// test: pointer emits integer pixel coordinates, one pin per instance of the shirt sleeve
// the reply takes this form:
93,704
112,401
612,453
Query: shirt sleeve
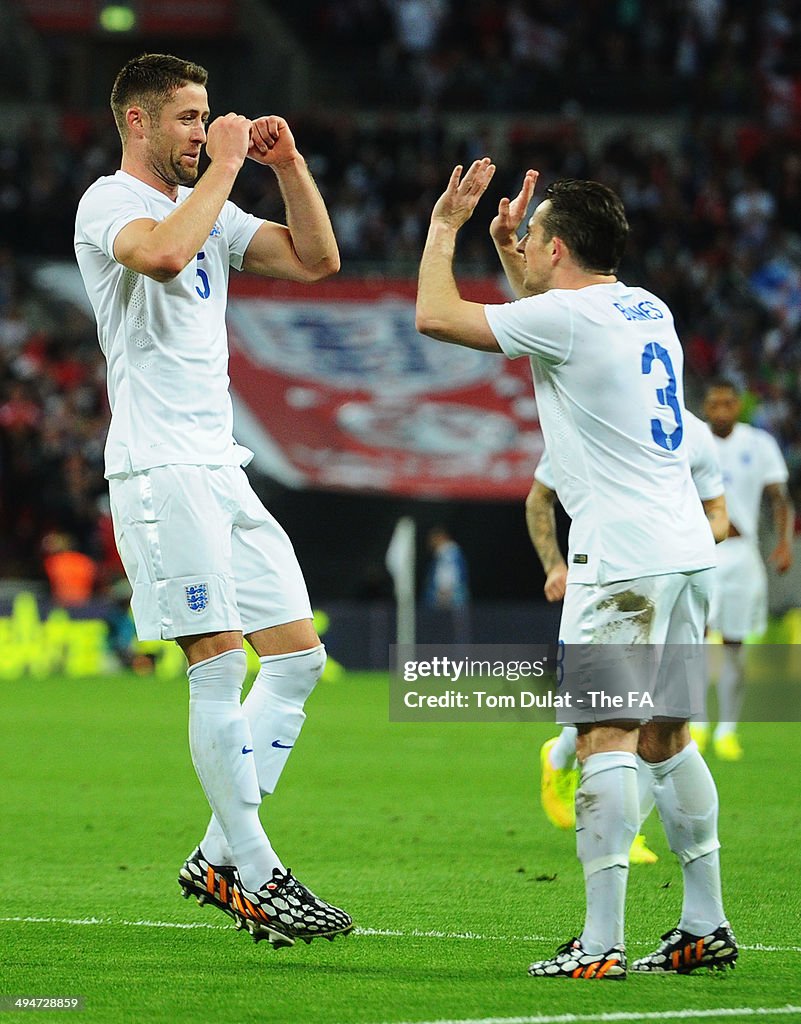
543,474
240,227
774,468
105,211
704,461
538,325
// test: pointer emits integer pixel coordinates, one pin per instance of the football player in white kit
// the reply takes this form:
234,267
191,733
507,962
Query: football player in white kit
207,562
607,368
558,774
752,465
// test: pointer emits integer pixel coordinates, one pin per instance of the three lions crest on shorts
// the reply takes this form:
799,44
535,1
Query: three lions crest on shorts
197,596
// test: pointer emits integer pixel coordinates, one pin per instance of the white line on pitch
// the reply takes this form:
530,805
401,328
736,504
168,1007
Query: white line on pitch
391,933
411,933
416,933
111,921
663,1015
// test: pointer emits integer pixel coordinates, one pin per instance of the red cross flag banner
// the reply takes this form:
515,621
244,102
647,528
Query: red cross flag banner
334,388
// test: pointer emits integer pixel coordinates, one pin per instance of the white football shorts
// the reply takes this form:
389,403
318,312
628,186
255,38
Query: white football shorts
739,591
202,554
625,640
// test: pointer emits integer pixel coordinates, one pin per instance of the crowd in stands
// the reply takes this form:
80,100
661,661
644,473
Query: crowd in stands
729,56
715,214
53,419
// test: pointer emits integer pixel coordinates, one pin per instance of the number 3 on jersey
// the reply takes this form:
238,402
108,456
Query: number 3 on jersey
203,288
666,396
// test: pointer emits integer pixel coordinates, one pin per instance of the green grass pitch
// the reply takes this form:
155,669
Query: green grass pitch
431,835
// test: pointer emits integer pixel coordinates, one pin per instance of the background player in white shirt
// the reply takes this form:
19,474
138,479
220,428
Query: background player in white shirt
206,560
752,466
558,774
607,369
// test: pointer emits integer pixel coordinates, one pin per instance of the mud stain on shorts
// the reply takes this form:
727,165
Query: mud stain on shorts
629,607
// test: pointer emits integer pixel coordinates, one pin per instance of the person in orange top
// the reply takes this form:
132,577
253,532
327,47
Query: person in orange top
70,573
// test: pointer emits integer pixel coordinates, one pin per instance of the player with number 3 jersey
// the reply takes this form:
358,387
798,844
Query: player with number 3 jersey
607,368
610,459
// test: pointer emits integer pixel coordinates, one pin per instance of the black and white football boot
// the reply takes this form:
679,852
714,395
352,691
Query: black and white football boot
284,910
208,883
571,960
681,952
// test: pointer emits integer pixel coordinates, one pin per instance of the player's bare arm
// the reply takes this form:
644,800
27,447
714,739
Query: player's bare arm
161,249
541,523
304,249
718,516
784,522
441,311
504,230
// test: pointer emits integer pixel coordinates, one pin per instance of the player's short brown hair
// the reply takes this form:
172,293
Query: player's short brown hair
149,81
590,219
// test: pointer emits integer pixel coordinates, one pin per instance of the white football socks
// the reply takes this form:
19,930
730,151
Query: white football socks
731,689
222,752
563,752
274,711
687,800
645,788
274,708
714,660
607,820
214,846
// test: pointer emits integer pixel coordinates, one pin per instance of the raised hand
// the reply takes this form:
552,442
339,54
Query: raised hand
228,138
456,204
506,224
271,141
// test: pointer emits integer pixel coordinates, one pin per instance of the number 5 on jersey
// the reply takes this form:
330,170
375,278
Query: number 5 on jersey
203,288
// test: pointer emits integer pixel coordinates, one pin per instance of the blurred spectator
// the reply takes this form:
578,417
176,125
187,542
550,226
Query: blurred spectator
752,210
446,584
14,329
417,24
70,573
121,636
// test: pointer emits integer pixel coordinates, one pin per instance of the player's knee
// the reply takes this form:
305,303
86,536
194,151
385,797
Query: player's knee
292,677
285,639
600,738
315,665
659,741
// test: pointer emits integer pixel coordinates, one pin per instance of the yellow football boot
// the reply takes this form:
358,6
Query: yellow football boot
700,733
640,853
558,790
727,747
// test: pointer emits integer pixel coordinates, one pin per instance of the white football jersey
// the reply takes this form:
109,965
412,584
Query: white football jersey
607,368
750,460
701,451
166,344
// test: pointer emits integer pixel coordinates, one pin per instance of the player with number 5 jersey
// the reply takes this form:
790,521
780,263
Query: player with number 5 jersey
165,341
207,563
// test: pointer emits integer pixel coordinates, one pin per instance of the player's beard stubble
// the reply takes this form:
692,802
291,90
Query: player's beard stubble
166,163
